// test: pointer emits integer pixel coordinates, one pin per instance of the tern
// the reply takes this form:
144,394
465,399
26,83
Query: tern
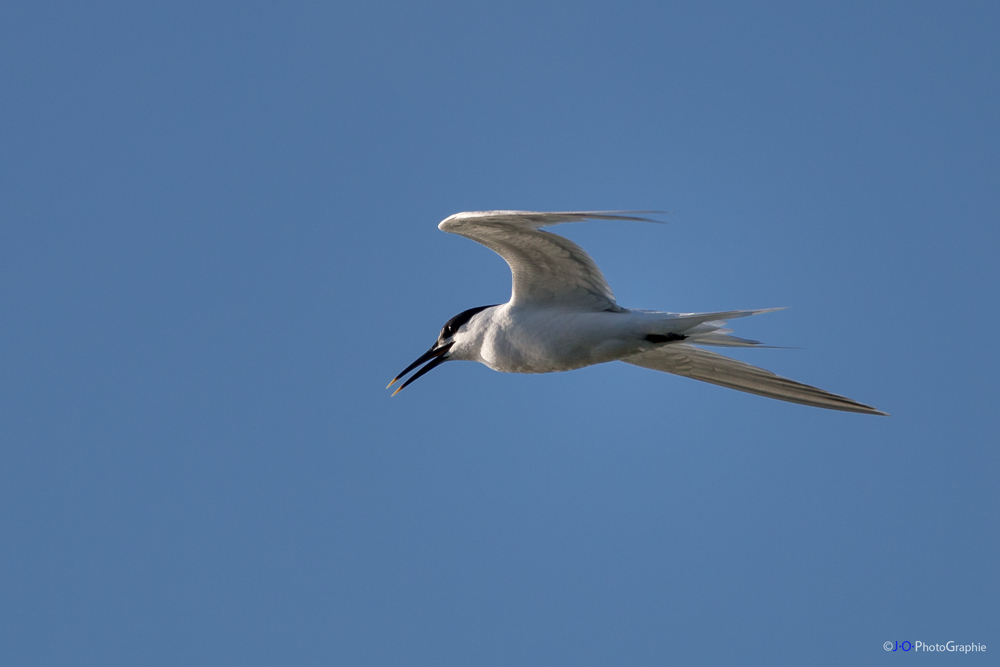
562,316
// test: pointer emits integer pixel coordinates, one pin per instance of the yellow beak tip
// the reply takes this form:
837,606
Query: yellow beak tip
396,392
392,383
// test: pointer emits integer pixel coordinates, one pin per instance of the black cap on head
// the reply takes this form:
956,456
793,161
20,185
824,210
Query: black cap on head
455,323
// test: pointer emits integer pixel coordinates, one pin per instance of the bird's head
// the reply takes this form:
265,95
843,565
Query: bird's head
454,340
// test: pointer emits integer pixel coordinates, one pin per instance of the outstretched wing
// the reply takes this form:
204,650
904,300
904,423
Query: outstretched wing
548,270
692,362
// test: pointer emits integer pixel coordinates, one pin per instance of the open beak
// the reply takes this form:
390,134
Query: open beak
437,355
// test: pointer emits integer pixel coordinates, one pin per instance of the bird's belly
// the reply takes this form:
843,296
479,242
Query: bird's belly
519,360
550,347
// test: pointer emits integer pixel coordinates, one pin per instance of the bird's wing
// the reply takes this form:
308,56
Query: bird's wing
548,270
692,362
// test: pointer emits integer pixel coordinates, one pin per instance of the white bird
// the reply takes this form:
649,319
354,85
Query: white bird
562,315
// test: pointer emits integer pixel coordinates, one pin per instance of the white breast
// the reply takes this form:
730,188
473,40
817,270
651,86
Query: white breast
546,340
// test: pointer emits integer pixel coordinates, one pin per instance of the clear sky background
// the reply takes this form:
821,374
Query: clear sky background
218,243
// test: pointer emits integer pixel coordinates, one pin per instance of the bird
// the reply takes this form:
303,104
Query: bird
562,315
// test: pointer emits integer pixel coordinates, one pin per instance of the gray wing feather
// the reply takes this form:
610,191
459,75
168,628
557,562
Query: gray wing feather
688,361
547,269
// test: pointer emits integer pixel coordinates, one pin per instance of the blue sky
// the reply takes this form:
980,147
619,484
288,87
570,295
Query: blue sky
218,244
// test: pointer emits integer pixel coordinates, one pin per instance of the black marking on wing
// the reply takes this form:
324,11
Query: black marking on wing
668,338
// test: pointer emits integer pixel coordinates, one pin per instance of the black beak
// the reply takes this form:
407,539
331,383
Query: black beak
437,355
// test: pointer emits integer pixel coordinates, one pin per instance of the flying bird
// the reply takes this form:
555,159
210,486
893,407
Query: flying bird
562,316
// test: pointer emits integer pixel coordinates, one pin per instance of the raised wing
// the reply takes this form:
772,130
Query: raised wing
548,270
692,362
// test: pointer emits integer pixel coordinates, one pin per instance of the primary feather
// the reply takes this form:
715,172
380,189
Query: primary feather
689,361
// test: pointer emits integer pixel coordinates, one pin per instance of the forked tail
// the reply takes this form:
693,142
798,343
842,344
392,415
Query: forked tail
707,328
